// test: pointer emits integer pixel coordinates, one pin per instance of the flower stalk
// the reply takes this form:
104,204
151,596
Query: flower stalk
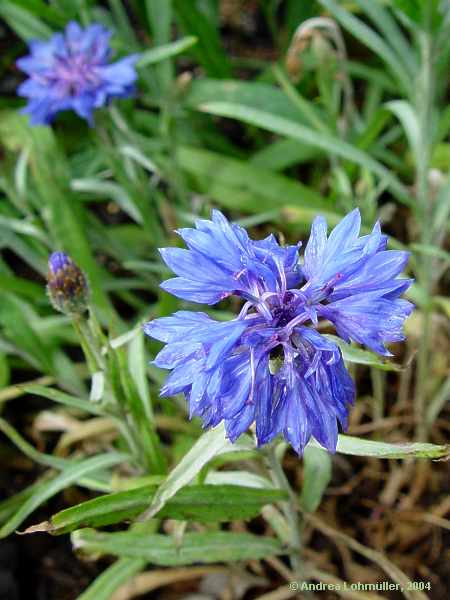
274,454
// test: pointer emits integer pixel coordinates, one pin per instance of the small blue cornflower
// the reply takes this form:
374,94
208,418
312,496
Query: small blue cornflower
72,71
269,365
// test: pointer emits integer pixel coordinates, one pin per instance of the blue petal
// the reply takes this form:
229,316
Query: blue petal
194,291
177,327
368,319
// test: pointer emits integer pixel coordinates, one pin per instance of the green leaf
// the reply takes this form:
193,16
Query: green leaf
359,447
284,153
24,23
163,550
209,51
405,113
317,139
69,476
23,287
61,398
209,445
12,504
160,53
316,477
391,31
204,503
356,355
430,250
104,586
371,39
254,94
411,8
17,319
246,187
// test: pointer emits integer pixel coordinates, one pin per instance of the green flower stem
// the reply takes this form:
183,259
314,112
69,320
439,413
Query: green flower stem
89,344
378,387
92,339
290,508
424,107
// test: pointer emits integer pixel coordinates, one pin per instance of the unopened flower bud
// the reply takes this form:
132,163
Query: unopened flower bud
66,285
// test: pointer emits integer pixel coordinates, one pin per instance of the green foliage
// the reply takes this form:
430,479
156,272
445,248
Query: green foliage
203,503
163,550
327,125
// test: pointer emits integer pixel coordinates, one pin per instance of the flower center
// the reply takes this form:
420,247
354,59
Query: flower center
77,72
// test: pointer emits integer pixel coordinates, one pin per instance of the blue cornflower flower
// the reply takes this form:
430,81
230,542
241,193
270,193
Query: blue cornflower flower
72,71
269,365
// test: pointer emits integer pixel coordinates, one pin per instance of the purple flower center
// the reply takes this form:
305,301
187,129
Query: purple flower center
77,72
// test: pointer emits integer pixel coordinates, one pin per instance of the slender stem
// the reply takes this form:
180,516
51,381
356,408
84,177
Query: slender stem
290,508
378,387
424,107
88,343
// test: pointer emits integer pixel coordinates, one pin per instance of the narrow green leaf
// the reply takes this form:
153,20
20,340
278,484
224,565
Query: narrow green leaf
24,23
163,550
393,35
359,447
61,398
209,51
209,445
17,318
104,586
205,503
284,153
69,476
359,356
405,113
253,94
12,504
430,250
160,53
371,39
239,184
411,8
23,287
316,477
317,139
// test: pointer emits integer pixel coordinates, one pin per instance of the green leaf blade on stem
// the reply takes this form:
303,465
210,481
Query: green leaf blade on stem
157,549
203,503
353,354
359,447
209,445
165,51
61,398
316,477
104,586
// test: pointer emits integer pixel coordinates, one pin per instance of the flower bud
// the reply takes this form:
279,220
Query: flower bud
66,285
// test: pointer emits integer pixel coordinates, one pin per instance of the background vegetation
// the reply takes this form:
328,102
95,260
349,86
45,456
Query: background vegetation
273,111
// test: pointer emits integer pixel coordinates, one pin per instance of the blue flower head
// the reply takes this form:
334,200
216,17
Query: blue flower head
269,365
72,71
